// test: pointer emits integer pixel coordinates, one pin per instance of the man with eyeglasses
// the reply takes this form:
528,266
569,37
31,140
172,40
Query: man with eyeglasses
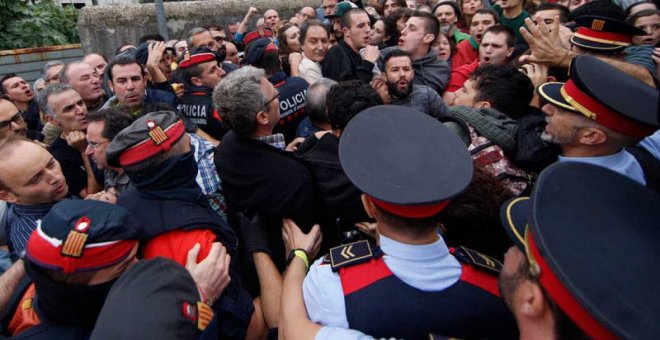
259,176
11,120
262,53
102,127
67,110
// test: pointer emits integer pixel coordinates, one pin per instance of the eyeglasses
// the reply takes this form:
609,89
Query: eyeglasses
277,95
17,118
95,146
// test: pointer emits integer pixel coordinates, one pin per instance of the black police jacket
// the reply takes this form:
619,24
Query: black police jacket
197,105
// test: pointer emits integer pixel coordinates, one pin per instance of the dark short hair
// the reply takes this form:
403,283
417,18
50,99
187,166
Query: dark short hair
414,226
452,4
115,120
147,37
3,79
391,30
346,18
497,29
270,62
348,99
403,12
504,87
496,17
563,10
307,25
431,23
401,3
124,59
394,54
118,50
472,219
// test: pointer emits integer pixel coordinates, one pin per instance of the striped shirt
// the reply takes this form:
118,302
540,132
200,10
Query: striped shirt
21,221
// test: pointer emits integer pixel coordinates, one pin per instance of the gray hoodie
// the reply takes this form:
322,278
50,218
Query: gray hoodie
429,70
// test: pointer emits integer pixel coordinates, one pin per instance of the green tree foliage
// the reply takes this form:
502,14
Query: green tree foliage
33,25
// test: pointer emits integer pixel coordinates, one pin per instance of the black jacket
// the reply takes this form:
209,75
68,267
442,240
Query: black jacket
338,193
260,179
342,63
197,106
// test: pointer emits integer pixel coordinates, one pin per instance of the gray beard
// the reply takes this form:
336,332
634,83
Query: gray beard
445,29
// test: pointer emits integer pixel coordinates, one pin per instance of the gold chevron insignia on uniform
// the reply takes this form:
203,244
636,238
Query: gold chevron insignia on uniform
75,241
205,315
349,254
156,133
477,259
26,304
597,25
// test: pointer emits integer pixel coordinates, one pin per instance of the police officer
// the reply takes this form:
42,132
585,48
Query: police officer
161,295
156,154
72,259
201,72
411,285
599,116
602,35
585,260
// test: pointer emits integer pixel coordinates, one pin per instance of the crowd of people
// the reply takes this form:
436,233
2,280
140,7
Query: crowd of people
363,169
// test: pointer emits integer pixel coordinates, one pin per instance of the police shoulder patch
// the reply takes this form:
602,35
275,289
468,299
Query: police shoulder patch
477,259
352,253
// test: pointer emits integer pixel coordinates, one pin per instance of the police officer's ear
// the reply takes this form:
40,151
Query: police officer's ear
196,81
530,305
368,204
592,136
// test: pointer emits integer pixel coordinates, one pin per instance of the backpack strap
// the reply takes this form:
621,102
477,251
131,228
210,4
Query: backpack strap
650,166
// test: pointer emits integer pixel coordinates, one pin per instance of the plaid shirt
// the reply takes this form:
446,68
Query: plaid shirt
276,140
207,177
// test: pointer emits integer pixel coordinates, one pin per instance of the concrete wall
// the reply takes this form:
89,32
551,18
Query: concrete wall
104,28
28,62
